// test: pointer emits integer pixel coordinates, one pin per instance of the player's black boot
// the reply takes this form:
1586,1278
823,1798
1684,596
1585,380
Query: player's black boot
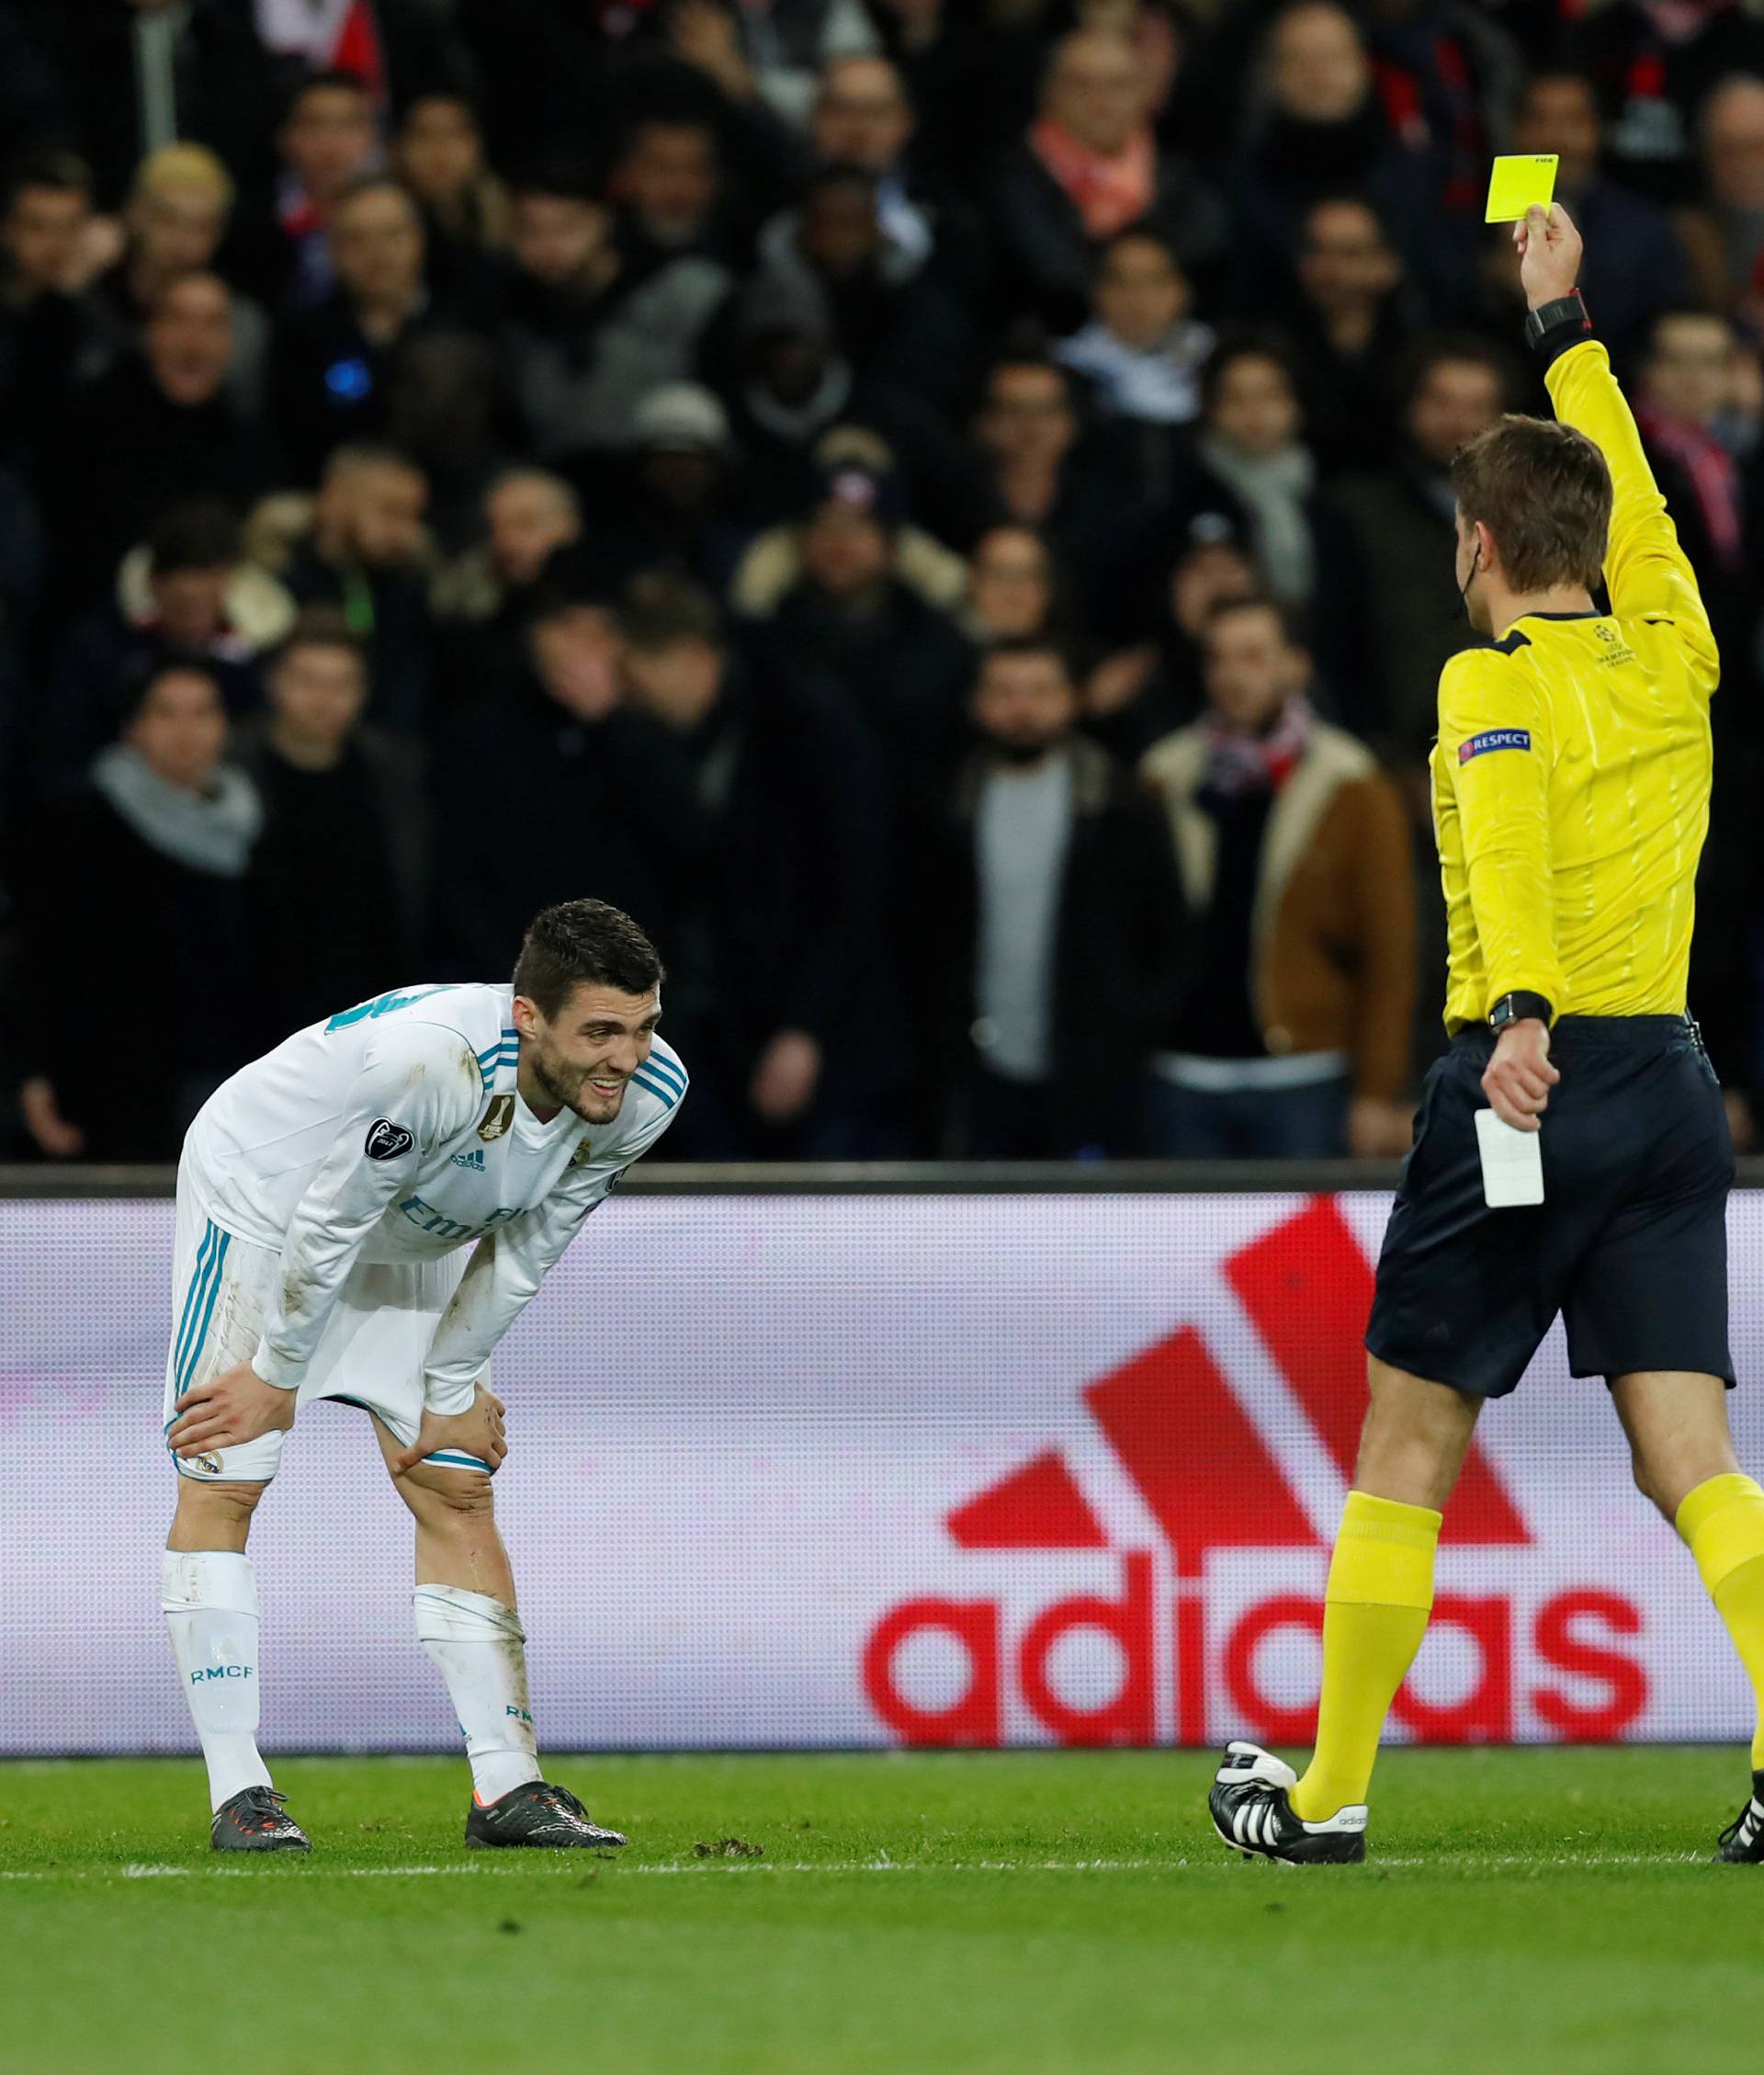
537,1813
1742,1842
254,1821
1251,1812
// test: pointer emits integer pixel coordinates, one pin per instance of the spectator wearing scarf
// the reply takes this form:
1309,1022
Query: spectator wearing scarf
1291,1036
1254,460
153,856
1088,167
1704,448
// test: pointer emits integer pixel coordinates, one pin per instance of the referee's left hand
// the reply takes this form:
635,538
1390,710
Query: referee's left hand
1520,1076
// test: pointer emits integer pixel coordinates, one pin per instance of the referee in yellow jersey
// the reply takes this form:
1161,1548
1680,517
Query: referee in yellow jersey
1571,797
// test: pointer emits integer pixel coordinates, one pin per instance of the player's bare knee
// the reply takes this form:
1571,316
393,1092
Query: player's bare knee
439,1497
213,1516
466,1492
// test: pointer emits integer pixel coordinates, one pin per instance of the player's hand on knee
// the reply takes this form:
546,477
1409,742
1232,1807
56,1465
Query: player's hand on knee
1520,1076
481,1430
236,1407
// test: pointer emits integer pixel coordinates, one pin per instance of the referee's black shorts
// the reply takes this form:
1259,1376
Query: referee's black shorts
1630,1243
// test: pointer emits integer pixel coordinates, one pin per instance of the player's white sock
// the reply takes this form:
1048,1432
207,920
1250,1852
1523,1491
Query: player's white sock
477,1646
210,1602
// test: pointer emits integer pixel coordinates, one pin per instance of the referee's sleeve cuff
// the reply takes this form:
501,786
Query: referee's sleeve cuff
1557,328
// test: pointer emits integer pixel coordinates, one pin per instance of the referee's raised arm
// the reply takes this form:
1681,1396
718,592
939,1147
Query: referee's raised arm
1647,572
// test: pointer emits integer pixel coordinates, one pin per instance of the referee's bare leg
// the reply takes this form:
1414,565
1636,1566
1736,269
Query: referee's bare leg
1381,1577
1685,1463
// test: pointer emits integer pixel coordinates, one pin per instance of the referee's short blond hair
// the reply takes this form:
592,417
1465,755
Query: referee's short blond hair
1544,491
184,166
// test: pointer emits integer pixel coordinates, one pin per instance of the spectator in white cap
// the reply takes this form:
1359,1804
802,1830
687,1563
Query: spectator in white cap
680,418
902,665
663,503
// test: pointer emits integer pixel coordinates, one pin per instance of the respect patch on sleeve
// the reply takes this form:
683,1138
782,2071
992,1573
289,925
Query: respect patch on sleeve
1492,739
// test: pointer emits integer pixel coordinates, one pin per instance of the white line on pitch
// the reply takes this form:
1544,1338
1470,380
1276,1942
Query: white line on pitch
1442,1862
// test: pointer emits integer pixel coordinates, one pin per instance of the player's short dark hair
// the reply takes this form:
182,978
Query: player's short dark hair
584,944
1544,491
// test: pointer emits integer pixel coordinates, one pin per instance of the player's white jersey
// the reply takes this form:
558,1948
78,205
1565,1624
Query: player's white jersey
394,1132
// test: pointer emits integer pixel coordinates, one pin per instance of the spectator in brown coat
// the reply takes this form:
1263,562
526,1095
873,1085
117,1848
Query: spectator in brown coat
1290,1040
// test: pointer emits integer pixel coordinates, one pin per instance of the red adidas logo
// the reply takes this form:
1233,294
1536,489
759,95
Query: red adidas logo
1205,1477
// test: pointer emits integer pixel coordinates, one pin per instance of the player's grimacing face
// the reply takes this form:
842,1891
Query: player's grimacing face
583,1057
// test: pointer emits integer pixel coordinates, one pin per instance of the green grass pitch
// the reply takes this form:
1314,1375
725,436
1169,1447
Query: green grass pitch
914,1915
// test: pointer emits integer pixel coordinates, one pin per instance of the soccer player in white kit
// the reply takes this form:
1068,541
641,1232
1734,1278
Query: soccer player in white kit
325,1200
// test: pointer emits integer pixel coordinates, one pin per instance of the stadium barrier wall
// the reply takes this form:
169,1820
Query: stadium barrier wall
865,1456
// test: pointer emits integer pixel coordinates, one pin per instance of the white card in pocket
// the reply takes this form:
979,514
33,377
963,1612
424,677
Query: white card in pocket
1513,1163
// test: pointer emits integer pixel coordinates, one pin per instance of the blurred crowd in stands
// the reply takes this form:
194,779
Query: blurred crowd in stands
938,507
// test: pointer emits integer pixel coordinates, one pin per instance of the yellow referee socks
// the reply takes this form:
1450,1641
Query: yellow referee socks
1722,1522
1380,1594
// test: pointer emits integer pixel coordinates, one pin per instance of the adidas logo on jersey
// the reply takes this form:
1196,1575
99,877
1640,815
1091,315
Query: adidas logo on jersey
473,1161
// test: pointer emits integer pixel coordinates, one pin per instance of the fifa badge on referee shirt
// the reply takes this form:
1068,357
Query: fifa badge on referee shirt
497,1118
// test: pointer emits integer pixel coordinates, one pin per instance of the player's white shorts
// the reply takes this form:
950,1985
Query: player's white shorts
372,1351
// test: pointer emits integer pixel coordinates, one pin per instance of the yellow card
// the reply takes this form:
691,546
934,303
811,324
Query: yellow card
1525,181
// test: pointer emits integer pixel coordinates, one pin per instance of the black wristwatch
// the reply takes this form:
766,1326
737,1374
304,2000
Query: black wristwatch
1557,325
1521,1008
